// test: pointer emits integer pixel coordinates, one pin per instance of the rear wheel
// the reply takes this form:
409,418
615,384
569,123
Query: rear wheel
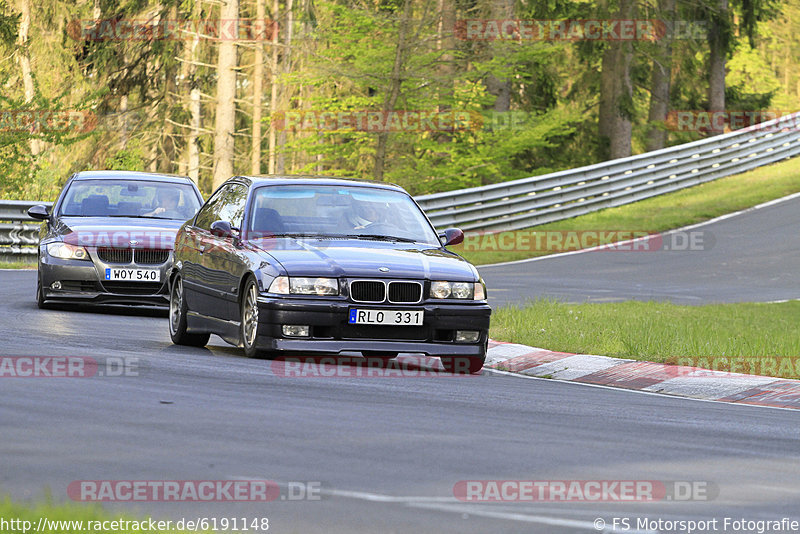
177,318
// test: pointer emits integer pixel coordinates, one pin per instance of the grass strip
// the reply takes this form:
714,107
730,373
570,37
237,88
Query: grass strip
749,338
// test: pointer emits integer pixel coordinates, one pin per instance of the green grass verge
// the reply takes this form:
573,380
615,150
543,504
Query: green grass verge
750,338
63,518
18,264
665,212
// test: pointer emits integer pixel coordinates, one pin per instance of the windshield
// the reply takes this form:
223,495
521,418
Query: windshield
338,211
130,198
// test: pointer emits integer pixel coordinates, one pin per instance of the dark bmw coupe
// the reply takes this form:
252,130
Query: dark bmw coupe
110,236
314,265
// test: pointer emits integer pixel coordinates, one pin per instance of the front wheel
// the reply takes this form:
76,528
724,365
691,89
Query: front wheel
177,318
248,326
462,365
40,302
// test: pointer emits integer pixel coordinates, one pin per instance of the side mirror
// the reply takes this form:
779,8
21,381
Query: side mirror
452,236
38,212
222,229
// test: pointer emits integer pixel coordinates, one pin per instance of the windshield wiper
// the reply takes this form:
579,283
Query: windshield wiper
299,234
381,237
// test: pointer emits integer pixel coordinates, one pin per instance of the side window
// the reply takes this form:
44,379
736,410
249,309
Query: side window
233,204
210,211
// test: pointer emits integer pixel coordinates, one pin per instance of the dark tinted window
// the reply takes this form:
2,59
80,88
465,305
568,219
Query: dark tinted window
130,198
227,204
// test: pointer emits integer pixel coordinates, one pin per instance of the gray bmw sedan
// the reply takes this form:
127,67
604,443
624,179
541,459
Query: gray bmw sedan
110,237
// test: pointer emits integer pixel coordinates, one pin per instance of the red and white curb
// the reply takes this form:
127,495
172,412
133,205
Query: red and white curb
680,380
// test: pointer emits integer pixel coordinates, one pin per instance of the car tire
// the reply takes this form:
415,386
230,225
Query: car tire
465,364
462,365
248,324
177,318
40,302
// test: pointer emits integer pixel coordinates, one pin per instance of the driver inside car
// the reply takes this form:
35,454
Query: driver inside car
365,214
168,200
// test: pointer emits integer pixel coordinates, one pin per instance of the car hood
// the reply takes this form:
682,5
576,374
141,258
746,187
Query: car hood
361,258
121,232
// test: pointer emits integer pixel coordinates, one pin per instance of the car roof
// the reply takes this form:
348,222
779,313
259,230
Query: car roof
302,179
131,175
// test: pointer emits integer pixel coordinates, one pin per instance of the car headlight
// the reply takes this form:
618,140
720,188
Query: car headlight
285,285
65,251
457,290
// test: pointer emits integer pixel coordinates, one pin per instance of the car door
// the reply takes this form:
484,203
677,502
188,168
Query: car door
196,238
222,260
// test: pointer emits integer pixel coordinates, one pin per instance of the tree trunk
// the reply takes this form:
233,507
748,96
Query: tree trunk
616,93
396,81
170,94
660,82
717,43
446,45
273,99
500,87
24,60
258,77
280,162
189,71
225,119
193,158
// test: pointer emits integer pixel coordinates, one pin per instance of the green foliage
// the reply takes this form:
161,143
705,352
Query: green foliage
8,24
127,159
342,60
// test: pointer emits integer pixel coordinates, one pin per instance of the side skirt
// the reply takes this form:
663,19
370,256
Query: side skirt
197,323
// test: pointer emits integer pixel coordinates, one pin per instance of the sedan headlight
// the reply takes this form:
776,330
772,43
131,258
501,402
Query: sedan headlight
458,290
285,285
65,251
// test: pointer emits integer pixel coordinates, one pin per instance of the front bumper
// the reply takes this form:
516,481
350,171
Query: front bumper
81,282
331,332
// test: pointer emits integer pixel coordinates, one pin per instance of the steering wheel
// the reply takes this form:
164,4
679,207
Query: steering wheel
379,228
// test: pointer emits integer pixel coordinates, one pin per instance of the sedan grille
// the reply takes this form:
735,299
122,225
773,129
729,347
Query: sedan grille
134,288
368,291
115,255
405,291
375,291
148,256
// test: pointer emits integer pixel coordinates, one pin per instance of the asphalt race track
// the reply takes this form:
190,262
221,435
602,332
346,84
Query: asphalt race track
753,256
386,453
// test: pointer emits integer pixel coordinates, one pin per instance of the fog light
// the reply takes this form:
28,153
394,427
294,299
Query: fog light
295,330
467,336
55,285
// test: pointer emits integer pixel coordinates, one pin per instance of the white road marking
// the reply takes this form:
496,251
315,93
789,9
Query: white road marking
453,505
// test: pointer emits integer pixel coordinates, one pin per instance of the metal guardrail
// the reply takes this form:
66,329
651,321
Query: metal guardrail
550,197
19,234
561,195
